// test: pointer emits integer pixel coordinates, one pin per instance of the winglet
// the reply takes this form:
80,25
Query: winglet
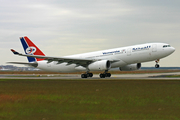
14,52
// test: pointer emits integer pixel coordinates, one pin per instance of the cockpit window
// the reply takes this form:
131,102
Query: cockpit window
164,46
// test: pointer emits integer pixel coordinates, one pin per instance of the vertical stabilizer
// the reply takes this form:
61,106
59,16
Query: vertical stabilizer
31,49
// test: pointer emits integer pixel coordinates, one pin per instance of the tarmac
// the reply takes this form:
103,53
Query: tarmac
151,76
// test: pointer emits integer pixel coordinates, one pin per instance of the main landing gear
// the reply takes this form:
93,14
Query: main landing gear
157,65
86,75
102,75
105,74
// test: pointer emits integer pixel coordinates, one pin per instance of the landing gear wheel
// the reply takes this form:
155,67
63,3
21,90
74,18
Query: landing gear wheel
108,74
83,75
86,75
157,66
102,75
89,75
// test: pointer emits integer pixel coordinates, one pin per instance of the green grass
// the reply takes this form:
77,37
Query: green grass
173,76
89,100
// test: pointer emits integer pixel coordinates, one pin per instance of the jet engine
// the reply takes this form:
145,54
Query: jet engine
100,65
130,67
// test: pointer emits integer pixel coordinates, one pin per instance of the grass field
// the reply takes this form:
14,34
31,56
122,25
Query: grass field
89,100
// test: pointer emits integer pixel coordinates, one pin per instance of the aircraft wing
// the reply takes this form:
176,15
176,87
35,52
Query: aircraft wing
78,61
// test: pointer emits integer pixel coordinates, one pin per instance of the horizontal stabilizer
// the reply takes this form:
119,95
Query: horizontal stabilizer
22,63
14,51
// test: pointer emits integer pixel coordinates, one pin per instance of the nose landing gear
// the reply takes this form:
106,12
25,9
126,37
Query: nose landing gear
157,65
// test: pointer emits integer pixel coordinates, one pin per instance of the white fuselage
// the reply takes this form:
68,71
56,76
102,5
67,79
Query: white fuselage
123,56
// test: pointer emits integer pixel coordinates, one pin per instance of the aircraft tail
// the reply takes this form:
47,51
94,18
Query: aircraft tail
31,49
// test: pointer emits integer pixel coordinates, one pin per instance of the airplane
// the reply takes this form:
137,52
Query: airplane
125,58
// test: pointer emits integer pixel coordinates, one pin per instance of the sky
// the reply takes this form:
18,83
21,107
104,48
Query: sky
67,27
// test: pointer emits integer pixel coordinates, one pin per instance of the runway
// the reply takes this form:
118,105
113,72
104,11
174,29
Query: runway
151,76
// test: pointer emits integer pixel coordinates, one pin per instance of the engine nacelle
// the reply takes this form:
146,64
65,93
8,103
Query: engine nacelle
130,67
100,65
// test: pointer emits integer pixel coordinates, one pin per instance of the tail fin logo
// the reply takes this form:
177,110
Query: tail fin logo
30,50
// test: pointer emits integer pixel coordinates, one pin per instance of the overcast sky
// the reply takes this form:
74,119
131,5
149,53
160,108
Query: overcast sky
66,27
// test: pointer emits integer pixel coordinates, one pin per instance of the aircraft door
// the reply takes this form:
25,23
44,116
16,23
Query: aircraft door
154,48
128,51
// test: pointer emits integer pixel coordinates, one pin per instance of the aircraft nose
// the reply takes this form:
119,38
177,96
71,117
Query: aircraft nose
172,49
